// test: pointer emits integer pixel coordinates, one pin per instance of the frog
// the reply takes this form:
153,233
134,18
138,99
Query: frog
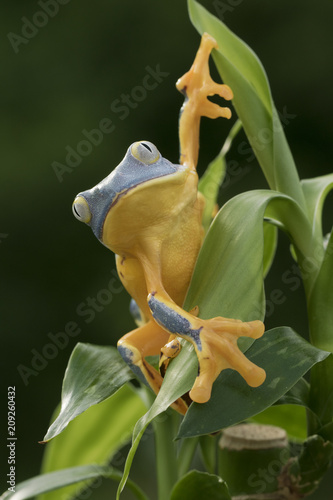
148,212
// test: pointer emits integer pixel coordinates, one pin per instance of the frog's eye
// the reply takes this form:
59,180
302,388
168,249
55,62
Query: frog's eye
145,152
81,209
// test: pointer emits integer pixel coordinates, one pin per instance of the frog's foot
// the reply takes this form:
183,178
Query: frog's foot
215,342
197,85
217,349
168,352
135,346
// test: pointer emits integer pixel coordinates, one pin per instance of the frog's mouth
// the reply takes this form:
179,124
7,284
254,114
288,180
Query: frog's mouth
129,175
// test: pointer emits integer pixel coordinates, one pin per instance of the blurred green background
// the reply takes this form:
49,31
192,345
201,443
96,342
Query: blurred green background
65,78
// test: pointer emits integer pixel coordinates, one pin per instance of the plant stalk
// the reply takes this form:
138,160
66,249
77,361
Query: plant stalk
320,312
260,450
166,453
186,453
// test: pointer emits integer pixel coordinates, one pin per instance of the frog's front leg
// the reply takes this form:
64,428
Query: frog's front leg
146,340
197,85
215,342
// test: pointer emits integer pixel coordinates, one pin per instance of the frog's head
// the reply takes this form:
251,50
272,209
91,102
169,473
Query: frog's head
139,191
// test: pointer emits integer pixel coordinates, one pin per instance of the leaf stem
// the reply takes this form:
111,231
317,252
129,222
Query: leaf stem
321,328
237,126
131,485
166,459
185,455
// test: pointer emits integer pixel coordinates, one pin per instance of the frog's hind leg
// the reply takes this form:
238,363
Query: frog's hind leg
146,340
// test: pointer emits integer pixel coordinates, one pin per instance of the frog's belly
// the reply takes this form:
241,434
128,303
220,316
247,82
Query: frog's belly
131,275
177,262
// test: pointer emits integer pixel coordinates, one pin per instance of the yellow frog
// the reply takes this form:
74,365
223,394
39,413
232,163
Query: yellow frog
148,212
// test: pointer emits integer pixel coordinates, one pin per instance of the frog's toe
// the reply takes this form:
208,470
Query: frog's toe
255,329
208,372
255,376
168,352
200,394
237,328
219,351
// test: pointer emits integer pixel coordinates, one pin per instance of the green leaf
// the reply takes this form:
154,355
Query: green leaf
198,485
56,480
326,432
321,302
210,182
94,436
307,470
93,374
228,277
289,412
291,418
320,309
270,244
284,355
241,55
241,69
297,395
209,185
315,192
